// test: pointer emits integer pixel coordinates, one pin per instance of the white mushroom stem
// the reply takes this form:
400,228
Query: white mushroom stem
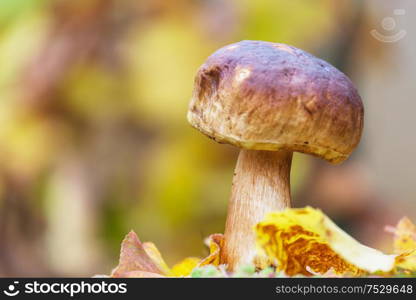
261,184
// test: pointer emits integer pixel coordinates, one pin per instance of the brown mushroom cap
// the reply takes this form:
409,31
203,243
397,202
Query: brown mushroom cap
269,96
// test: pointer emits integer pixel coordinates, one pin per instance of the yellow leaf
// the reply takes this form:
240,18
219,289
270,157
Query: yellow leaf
407,261
405,236
305,241
185,267
215,242
405,244
156,257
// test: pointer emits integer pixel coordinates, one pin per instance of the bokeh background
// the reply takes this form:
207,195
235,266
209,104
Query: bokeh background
94,140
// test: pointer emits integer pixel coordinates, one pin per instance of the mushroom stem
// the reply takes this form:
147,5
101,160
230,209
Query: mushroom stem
261,184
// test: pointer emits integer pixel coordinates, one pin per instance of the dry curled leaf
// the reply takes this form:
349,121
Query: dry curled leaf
215,243
305,241
404,236
139,259
156,257
405,244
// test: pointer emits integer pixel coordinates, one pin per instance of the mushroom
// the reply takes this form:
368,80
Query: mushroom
271,99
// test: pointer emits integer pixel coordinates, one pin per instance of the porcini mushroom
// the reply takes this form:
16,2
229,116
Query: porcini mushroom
271,99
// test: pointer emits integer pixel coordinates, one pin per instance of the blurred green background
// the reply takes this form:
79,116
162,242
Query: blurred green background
94,140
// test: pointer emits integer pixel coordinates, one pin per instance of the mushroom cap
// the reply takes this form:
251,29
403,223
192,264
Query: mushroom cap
269,96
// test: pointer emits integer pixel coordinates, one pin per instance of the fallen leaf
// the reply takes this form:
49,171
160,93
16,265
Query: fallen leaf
405,244
305,241
184,268
138,259
406,263
156,257
404,236
215,243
